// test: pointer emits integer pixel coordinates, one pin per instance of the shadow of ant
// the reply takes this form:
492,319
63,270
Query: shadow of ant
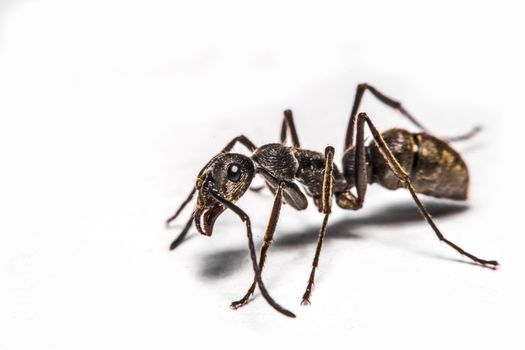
225,263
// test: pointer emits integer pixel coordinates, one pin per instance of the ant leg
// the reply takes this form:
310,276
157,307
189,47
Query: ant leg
442,238
326,203
465,136
403,176
186,201
241,139
181,236
184,232
347,200
268,237
246,219
361,88
288,124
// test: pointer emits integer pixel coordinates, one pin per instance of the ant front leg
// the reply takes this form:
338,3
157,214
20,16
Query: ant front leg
242,140
180,238
246,219
268,239
403,176
326,208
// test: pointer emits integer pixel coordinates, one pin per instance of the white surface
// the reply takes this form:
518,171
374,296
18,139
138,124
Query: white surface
108,109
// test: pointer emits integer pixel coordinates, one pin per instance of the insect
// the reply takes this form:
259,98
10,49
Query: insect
395,159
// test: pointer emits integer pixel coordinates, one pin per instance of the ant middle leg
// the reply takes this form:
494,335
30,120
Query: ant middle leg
347,200
326,208
403,176
268,239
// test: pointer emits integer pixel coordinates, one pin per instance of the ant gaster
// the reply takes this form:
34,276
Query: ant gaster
397,158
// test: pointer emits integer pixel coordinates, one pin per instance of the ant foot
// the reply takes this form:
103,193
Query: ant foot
239,303
490,262
306,299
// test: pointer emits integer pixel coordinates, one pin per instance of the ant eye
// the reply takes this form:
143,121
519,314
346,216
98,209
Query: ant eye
234,172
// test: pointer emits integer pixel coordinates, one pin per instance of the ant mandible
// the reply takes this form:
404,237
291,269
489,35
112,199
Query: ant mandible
396,158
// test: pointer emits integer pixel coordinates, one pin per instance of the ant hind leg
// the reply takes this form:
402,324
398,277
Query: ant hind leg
403,176
361,88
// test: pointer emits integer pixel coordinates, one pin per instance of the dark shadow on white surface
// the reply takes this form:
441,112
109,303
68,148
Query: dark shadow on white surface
226,262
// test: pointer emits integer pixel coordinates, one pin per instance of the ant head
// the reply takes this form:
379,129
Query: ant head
230,175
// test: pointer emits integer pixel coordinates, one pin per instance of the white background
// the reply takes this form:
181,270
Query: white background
108,109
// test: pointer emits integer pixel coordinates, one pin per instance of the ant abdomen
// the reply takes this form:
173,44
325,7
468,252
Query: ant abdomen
435,168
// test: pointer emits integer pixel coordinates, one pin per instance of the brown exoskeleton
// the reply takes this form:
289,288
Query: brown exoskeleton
397,158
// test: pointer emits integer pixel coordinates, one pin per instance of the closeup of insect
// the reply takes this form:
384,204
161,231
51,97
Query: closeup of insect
395,159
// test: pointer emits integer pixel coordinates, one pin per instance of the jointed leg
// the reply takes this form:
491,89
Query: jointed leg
288,124
442,238
241,139
328,187
182,235
465,136
186,201
246,219
403,176
361,88
268,237
348,200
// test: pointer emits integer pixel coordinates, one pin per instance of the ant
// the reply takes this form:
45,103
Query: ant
396,158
